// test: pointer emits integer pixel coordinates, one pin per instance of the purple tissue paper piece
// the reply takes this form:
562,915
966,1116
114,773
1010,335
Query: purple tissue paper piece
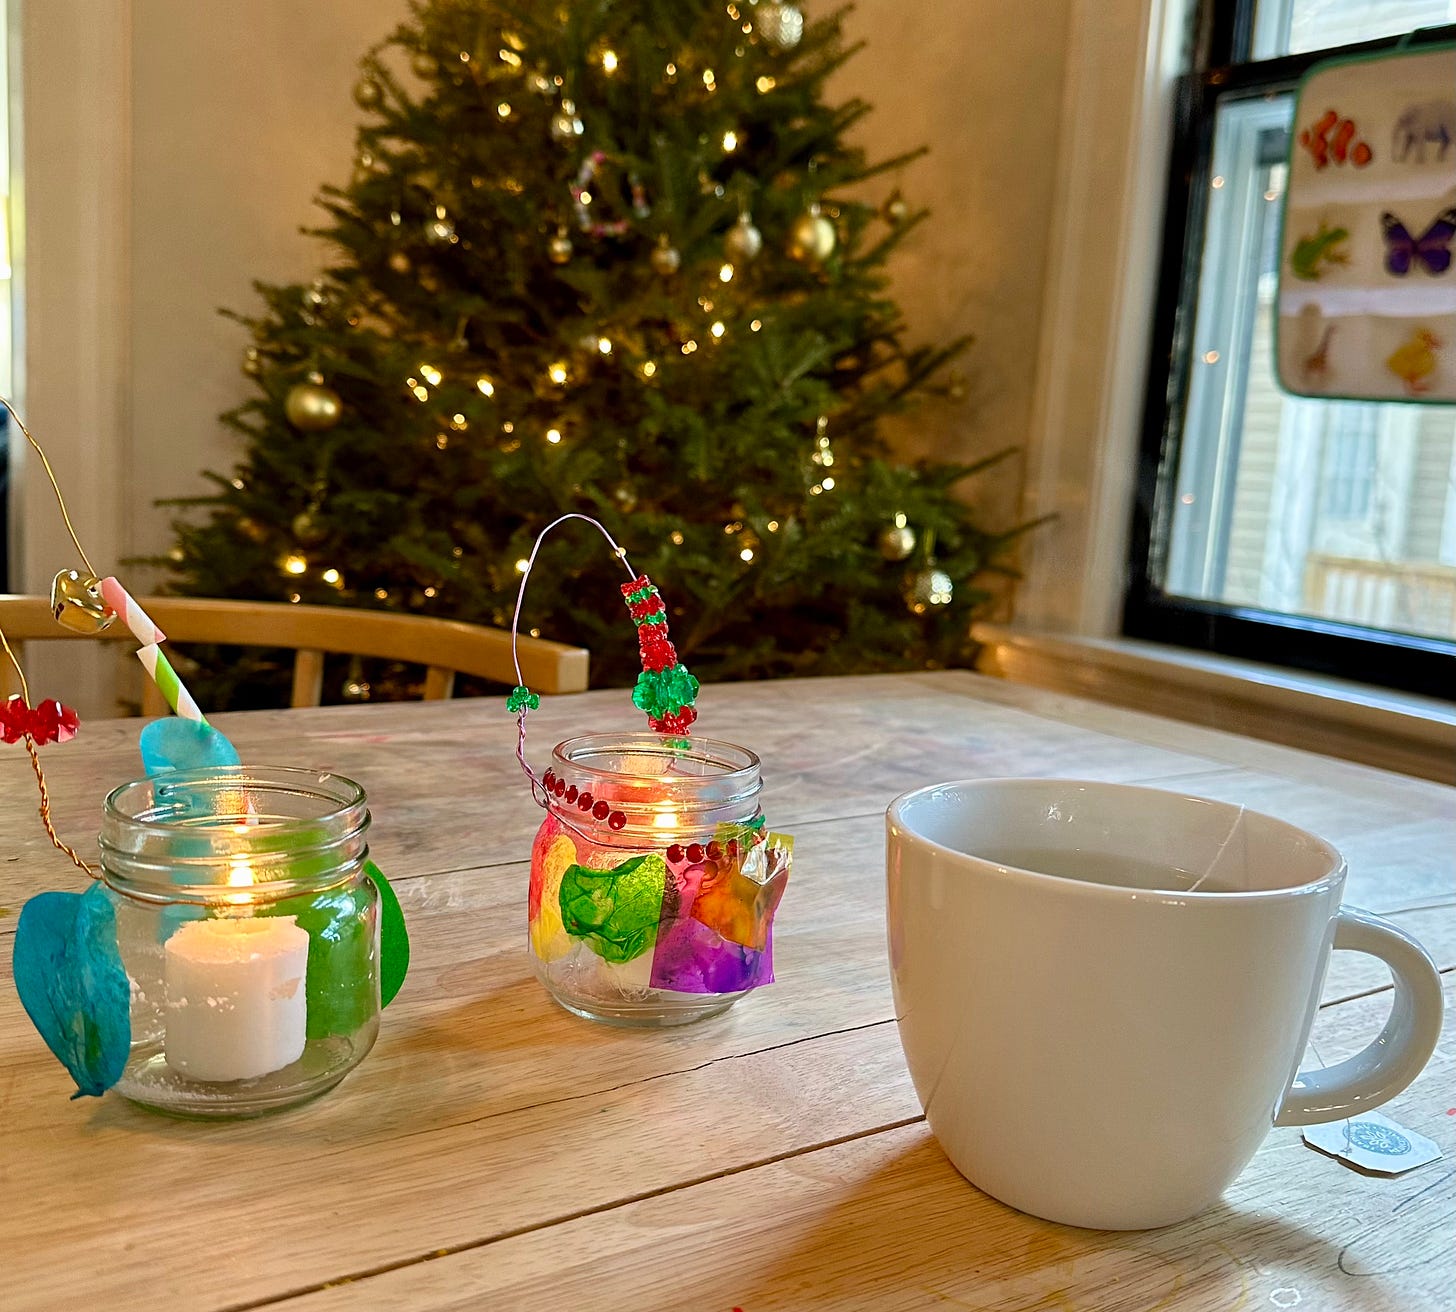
691,957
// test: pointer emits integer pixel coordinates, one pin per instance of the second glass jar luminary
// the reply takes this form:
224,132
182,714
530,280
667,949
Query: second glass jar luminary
653,883
249,933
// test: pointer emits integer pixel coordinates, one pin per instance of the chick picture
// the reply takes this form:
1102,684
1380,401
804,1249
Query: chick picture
1415,360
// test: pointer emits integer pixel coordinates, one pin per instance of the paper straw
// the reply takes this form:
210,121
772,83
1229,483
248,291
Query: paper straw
168,684
132,615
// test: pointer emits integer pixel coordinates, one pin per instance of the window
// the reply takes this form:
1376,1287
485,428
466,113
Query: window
1319,534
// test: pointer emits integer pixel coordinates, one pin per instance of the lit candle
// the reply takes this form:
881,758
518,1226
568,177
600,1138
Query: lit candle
236,1001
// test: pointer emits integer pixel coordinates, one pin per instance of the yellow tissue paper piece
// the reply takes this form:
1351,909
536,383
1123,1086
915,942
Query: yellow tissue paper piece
549,939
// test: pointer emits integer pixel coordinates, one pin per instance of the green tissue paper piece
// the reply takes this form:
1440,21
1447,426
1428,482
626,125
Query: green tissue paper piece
616,911
394,944
664,692
72,984
340,980
339,983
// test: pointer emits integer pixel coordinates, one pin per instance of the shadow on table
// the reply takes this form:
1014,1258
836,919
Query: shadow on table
911,1232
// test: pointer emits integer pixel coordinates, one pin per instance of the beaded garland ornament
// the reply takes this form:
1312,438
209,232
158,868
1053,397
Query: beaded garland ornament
683,917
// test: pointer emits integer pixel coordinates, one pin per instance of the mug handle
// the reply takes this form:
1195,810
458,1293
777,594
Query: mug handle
1378,1072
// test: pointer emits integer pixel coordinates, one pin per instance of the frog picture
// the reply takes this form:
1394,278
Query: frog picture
1312,254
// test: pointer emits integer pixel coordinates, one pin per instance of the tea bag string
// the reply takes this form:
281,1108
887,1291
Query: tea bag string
538,789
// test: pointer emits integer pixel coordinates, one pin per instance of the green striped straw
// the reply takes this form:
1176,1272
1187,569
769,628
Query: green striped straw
168,684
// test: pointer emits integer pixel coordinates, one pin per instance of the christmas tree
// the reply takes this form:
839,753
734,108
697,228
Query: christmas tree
609,257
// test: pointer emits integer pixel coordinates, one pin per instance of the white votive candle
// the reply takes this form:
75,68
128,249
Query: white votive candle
236,1002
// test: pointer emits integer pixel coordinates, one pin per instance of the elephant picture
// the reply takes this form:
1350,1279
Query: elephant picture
1422,123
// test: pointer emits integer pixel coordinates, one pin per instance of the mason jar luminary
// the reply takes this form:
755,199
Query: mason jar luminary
653,880
249,932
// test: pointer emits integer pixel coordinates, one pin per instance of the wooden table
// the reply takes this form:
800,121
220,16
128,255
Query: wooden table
496,1153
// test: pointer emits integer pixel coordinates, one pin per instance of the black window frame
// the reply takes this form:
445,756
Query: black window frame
1222,66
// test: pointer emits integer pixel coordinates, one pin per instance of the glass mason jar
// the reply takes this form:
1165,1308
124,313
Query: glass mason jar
652,890
249,933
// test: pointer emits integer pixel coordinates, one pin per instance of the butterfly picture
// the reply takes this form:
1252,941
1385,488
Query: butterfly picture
1432,248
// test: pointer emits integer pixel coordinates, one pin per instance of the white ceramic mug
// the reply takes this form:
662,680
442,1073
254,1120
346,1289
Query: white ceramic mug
1111,1054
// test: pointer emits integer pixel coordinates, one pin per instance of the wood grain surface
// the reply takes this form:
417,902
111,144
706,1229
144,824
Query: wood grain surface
495,1152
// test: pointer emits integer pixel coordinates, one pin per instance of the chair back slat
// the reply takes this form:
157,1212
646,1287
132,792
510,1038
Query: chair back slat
308,677
444,647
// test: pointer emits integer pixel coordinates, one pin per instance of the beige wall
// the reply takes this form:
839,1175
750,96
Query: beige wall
239,113
980,83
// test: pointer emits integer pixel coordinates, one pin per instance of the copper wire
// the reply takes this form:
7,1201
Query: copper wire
45,811
40,779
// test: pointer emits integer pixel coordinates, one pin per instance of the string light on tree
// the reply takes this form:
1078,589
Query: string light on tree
439,230
565,125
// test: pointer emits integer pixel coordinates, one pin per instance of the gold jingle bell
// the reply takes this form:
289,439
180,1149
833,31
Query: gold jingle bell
77,605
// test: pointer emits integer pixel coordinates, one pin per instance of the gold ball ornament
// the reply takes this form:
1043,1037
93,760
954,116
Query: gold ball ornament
312,407
399,262
76,603
897,542
929,589
781,24
425,65
251,529
743,241
252,362
896,209
812,238
559,248
368,94
665,258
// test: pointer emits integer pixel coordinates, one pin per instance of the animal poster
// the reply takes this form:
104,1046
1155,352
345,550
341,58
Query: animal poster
1367,288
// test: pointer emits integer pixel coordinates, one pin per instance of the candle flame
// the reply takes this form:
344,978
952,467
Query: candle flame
240,876
665,820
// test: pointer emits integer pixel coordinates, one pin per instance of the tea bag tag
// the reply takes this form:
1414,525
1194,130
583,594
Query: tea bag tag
1373,1142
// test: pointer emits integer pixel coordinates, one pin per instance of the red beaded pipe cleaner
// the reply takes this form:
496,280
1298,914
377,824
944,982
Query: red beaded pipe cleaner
665,689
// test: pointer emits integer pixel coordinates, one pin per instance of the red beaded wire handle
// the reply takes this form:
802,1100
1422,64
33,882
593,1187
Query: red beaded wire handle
665,689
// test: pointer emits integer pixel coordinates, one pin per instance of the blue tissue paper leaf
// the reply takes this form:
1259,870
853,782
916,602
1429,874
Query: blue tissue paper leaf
178,744
394,944
72,985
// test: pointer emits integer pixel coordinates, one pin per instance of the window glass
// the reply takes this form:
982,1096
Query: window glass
1334,509
1284,27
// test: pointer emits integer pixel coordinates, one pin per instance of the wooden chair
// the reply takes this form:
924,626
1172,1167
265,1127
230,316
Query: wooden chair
444,647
